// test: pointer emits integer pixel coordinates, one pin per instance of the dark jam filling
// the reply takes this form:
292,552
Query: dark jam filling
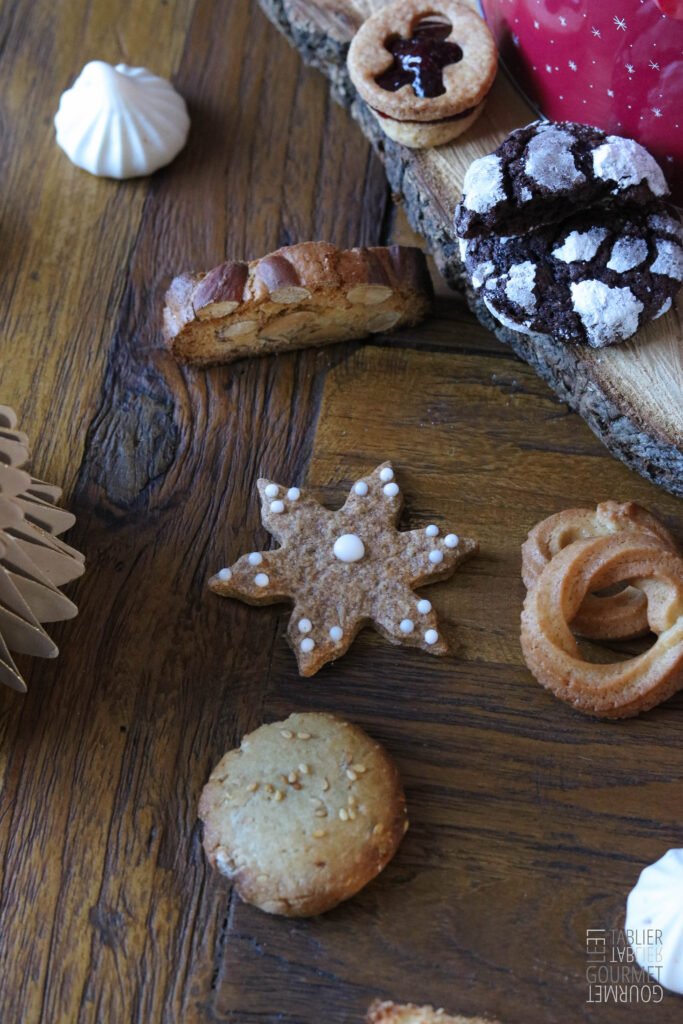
420,60
439,120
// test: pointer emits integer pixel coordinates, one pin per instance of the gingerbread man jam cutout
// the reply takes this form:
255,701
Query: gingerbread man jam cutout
424,70
346,569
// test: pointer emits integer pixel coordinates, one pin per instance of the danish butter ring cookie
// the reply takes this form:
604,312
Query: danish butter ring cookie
424,70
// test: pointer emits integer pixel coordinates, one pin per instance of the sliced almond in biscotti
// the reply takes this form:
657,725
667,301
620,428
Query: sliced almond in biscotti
302,295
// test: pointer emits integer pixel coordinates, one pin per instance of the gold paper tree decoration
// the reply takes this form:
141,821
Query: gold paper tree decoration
34,563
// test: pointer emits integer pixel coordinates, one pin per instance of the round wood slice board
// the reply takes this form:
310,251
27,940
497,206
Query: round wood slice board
631,395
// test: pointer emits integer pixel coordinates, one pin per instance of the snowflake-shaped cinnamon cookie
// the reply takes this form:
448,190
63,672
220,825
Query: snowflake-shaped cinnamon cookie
347,569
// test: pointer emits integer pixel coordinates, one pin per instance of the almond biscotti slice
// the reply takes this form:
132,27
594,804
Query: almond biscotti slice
299,296
392,1013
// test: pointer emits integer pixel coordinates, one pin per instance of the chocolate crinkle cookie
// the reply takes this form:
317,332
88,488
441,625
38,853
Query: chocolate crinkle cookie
596,277
563,231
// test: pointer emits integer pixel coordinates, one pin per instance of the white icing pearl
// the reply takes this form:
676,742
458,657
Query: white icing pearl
431,636
424,606
277,506
307,645
361,488
261,579
391,490
451,540
336,633
386,474
272,491
255,558
436,557
225,574
293,493
432,531
407,626
349,548
305,625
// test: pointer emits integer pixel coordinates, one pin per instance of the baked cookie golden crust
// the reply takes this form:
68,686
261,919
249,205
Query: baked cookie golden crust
346,569
393,1013
423,70
301,295
303,815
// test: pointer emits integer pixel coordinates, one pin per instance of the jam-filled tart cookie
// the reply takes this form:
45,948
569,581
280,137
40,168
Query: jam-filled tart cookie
423,69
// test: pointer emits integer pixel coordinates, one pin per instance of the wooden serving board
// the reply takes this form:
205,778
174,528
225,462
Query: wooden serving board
631,395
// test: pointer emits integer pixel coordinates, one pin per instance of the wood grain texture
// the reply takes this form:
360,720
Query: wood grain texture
631,395
529,823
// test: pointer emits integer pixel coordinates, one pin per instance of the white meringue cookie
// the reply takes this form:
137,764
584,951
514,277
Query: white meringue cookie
121,122
654,909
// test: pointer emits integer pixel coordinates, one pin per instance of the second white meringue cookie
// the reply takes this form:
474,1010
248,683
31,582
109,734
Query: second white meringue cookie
654,917
121,122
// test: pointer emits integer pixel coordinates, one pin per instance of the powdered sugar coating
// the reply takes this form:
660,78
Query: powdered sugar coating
483,184
550,161
667,225
523,328
669,259
627,163
482,272
607,314
626,254
580,245
519,286
664,308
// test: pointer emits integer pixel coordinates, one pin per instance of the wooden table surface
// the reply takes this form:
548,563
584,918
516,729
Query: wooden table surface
529,823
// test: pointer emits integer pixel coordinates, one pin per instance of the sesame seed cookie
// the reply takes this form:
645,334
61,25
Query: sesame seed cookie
393,1013
424,70
303,815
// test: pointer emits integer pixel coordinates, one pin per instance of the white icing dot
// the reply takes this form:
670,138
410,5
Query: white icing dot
436,557
519,287
349,548
225,575
669,260
255,558
626,254
483,184
580,245
451,540
407,626
305,625
424,606
607,313
391,490
277,506
336,633
386,474
550,162
626,163
307,645
261,579
272,491
361,488
432,530
431,636
293,493
664,308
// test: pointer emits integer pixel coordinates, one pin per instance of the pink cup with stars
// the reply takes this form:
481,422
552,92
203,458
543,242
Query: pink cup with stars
616,64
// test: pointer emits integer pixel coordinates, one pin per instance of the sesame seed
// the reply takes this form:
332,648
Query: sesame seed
286,733
292,777
268,788
352,801
377,830
305,769
360,769
304,735
252,787
343,814
352,814
350,774
321,813
279,795
325,786
319,833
